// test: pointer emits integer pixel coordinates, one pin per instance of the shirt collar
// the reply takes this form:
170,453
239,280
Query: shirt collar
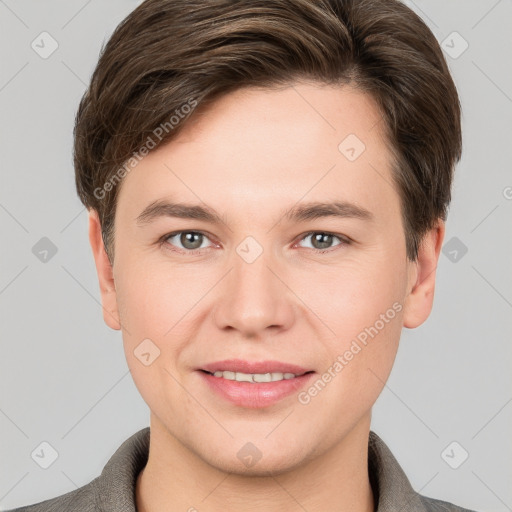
115,487
392,490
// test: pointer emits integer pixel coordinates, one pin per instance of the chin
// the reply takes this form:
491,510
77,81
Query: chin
263,467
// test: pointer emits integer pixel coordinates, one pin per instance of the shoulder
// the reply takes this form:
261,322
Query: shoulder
392,487
114,489
82,499
433,505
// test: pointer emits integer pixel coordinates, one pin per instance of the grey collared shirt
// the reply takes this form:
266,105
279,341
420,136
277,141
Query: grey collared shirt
114,489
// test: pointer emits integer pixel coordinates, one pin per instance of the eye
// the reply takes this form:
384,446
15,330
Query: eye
190,240
321,241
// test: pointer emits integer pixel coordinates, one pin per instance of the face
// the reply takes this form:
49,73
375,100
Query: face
293,255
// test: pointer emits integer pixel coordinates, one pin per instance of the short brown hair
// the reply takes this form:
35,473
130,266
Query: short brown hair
171,53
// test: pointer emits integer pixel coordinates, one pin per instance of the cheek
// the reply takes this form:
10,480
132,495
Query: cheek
153,299
163,305
354,296
153,311
362,304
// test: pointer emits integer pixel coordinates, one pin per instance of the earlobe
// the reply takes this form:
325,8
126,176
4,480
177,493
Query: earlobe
105,273
418,303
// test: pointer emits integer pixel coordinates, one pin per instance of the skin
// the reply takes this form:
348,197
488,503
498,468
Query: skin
250,156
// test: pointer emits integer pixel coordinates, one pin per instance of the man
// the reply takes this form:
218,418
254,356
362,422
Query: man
267,184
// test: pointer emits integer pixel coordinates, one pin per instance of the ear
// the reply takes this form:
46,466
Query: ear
105,273
422,278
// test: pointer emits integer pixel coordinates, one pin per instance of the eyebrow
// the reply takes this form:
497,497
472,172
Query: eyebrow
298,213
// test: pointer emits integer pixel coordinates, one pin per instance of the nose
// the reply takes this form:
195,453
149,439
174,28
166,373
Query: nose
255,298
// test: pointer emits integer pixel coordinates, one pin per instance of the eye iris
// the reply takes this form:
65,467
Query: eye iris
188,238
321,239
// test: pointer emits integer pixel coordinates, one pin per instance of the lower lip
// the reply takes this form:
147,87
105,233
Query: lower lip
255,396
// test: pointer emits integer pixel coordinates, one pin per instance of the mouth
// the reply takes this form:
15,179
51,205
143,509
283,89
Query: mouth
254,384
255,378
253,368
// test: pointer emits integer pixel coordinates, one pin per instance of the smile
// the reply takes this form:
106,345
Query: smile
254,390
254,377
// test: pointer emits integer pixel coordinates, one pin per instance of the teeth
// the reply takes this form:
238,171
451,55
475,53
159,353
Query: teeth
254,377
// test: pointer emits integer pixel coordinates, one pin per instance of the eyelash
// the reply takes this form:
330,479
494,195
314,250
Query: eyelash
164,241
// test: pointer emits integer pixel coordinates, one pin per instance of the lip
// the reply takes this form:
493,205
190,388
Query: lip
254,395
239,365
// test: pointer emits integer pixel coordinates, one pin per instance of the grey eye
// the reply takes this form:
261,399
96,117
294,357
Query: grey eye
321,240
189,240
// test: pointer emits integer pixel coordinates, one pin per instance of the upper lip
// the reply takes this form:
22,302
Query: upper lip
239,365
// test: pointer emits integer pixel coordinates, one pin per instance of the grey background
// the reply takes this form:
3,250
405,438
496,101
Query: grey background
63,375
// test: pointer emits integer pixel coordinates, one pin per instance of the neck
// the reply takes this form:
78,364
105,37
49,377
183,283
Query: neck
177,479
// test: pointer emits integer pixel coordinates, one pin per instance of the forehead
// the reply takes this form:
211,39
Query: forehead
302,112
255,147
